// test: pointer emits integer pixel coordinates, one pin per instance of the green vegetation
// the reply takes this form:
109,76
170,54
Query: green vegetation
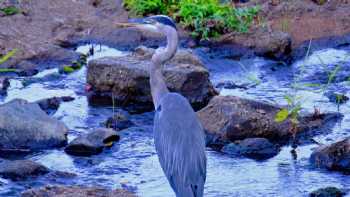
68,69
8,70
6,57
76,65
10,10
204,18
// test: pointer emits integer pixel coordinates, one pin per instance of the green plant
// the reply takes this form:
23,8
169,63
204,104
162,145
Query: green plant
204,18
10,10
68,69
8,70
142,7
6,57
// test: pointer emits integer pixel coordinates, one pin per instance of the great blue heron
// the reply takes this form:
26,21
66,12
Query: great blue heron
178,134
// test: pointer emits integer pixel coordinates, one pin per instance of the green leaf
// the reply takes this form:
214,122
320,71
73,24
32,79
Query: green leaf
7,56
282,115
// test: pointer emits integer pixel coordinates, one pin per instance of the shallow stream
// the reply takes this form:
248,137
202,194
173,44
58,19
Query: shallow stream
132,163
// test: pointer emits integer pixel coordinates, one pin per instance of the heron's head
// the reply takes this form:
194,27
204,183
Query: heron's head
158,24
155,24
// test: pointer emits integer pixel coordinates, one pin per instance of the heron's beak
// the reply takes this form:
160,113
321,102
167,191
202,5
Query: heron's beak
139,23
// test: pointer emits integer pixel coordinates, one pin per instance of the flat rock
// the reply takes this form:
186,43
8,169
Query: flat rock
21,169
255,148
229,118
75,191
333,157
24,126
127,79
92,143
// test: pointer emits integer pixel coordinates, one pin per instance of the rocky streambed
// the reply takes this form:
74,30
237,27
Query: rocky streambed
254,159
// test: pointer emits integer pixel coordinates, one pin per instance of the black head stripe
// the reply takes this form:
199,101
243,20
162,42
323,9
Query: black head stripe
164,20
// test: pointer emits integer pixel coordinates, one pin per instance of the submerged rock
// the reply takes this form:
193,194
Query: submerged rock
327,192
51,105
75,191
25,127
21,169
256,148
127,79
333,157
92,143
229,118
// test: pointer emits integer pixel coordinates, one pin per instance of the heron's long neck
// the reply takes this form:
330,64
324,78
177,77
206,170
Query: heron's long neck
157,82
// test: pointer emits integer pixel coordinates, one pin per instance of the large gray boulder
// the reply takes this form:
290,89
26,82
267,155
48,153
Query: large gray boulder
333,157
75,191
229,118
127,79
25,127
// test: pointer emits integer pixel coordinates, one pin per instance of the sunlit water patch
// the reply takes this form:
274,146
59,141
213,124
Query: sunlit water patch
132,163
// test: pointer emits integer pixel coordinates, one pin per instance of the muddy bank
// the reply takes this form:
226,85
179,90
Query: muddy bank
44,30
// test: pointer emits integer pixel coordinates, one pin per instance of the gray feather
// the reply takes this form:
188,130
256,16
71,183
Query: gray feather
180,144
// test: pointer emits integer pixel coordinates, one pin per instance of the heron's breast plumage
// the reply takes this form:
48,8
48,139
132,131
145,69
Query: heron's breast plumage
180,141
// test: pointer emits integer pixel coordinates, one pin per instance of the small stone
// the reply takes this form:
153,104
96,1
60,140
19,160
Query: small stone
92,143
328,192
255,148
4,84
119,121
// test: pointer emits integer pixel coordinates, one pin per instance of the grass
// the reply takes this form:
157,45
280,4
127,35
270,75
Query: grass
10,10
8,70
204,18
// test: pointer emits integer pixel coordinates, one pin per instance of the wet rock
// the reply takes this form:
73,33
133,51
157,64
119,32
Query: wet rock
50,105
127,79
229,118
21,169
25,127
75,191
328,192
320,2
4,84
256,148
333,157
264,42
231,85
92,143
119,121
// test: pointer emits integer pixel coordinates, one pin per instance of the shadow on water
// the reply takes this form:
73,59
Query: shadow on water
132,163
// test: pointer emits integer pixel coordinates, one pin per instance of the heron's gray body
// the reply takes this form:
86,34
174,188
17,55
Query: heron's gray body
180,144
178,134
